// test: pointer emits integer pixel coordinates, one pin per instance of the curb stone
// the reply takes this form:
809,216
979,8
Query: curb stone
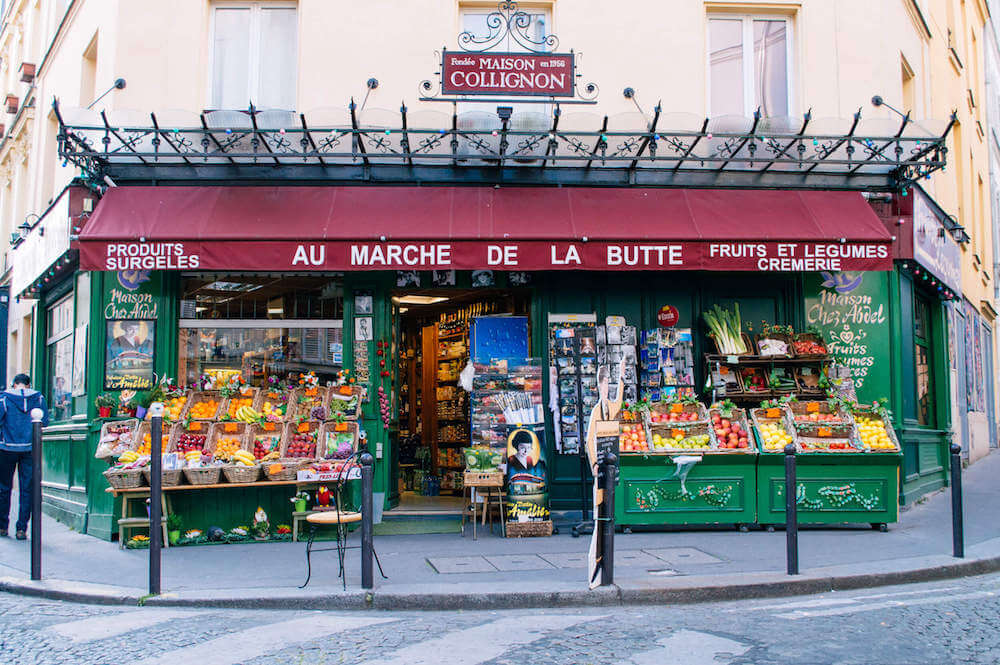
685,590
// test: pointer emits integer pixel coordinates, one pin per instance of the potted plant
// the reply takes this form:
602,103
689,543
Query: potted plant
299,501
104,403
173,528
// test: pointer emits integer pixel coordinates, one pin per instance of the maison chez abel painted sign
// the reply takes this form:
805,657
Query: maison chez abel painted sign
476,255
540,74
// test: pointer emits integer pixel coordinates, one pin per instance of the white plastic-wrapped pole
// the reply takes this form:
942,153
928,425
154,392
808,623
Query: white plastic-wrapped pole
36,493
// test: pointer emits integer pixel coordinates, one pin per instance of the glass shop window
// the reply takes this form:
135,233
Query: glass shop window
260,326
922,334
59,354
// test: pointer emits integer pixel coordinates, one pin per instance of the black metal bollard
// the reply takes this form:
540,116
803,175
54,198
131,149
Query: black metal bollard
367,520
957,525
791,512
607,521
36,494
155,495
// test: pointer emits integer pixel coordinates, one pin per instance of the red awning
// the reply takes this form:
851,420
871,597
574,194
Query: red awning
467,228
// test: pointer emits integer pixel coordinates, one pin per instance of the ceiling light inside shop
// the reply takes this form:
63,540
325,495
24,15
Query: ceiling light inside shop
275,310
421,300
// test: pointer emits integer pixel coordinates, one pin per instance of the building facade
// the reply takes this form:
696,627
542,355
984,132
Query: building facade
806,68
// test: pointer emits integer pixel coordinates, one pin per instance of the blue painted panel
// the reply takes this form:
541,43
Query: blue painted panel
499,337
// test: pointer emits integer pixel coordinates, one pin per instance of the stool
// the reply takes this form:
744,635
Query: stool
490,485
340,520
298,517
127,523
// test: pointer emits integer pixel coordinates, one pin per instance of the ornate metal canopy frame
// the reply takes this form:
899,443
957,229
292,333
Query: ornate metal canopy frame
290,149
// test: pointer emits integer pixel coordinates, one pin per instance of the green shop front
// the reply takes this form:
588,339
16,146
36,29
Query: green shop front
397,313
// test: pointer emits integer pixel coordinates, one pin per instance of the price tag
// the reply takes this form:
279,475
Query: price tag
733,360
824,432
772,413
303,427
194,427
230,427
677,408
675,432
268,427
812,407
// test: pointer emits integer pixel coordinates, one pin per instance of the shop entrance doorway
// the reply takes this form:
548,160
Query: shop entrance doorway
433,347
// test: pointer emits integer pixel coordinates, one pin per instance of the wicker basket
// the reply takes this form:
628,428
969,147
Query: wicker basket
166,418
226,429
240,475
203,475
302,410
781,337
129,437
746,340
330,427
124,479
168,477
289,469
811,337
529,529
253,394
291,429
255,430
197,397
483,479
203,427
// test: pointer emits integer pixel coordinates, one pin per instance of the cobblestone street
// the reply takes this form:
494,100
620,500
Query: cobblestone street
946,622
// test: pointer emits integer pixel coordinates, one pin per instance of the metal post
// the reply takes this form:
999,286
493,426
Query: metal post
610,471
155,495
957,526
36,494
791,512
367,519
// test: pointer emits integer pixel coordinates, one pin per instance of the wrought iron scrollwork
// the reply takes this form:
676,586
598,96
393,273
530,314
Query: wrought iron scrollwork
507,22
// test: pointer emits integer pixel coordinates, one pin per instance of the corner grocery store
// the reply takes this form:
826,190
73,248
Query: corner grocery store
288,266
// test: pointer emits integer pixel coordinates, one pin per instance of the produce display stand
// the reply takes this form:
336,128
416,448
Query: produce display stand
852,485
718,488
796,365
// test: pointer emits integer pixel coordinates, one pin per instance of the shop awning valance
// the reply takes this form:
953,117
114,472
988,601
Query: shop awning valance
470,228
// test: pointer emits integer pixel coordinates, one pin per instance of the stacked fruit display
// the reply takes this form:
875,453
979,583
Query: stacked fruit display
187,442
205,410
730,433
816,417
807,347
245,414
871,430
238,403
302,444
274,409
673,417
226,446
775,436
632,438
147,443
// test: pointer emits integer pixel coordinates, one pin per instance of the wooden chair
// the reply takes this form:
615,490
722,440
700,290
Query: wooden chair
128,522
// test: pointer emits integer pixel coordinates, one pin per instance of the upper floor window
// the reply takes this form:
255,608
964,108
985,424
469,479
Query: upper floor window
254,55
749,62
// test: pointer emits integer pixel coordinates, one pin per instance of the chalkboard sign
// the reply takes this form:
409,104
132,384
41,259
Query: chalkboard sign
851,309
607,442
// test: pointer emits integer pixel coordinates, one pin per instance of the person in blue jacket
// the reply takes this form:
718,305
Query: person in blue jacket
16,405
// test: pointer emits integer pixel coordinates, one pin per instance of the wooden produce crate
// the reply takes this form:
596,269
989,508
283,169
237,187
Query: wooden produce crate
334,395
666,409
291,429
809,386
779,337
811,337
277,430
830,413
330,428
124,479
223,430
691,434
826,438
533,529
746,374
303,403
170,403
746,340
227,408
275,398
145,428
735,416
200,397
861,413
773,415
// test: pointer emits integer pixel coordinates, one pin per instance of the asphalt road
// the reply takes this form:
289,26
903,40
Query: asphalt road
944,622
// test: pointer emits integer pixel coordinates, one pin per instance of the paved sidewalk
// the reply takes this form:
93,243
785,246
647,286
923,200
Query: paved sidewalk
434,571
